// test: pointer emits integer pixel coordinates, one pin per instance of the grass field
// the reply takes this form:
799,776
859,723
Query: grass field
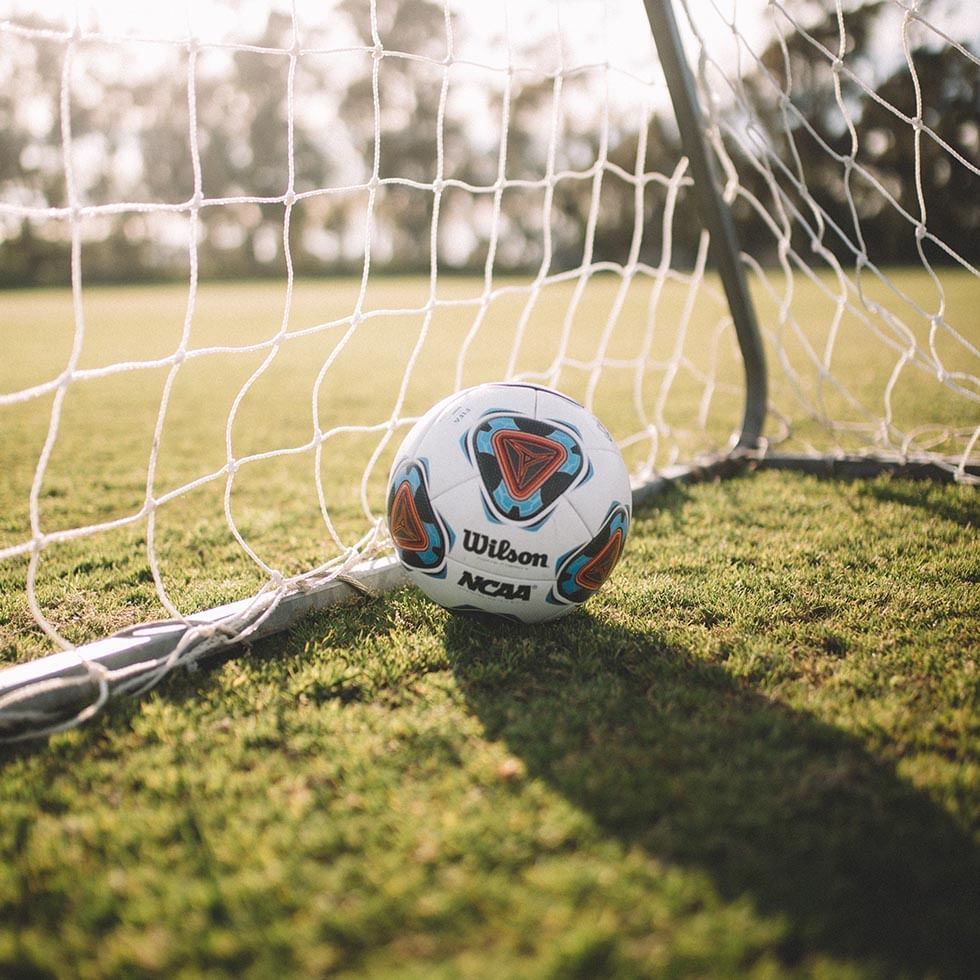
755,753
99,470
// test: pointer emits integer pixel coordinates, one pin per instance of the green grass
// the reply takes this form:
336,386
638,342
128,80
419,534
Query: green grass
755,753
99,467
98,471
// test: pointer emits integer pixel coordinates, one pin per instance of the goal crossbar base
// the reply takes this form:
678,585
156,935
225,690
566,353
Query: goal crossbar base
48,694
858,467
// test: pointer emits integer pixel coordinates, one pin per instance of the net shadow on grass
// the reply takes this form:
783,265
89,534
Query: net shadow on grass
964,511
674,755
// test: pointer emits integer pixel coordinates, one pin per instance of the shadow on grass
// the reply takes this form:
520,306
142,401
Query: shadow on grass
676,756
964,510
673,755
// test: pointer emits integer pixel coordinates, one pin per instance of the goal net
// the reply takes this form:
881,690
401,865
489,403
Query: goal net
265,238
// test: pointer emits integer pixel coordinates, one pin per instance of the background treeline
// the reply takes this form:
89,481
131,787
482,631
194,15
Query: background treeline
131,146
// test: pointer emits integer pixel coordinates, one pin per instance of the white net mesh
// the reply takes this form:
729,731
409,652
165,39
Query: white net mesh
850,149
339,213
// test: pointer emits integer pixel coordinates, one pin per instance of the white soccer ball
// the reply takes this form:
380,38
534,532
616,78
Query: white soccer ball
509,499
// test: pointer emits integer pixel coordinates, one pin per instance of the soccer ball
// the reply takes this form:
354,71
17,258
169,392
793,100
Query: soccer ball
509,499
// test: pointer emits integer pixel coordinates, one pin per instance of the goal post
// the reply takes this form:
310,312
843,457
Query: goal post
743,234
716,217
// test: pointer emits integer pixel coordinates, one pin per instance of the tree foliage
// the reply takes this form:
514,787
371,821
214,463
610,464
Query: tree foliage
373,138
870,163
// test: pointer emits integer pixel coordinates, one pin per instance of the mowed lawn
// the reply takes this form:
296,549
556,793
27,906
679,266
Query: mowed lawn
247,418
754,753
301,403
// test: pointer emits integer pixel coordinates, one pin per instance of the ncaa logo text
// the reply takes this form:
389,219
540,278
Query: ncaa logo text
494,589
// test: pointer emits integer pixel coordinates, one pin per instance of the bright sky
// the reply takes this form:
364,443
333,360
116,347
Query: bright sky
594,30
230,20
222,22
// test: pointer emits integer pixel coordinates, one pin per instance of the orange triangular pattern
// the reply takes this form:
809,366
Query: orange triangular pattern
407,528
526,460
595,572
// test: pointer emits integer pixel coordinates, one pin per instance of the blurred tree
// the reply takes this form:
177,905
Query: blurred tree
854,210
244,153
32,250
131,142
397,138
950,90
614,234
